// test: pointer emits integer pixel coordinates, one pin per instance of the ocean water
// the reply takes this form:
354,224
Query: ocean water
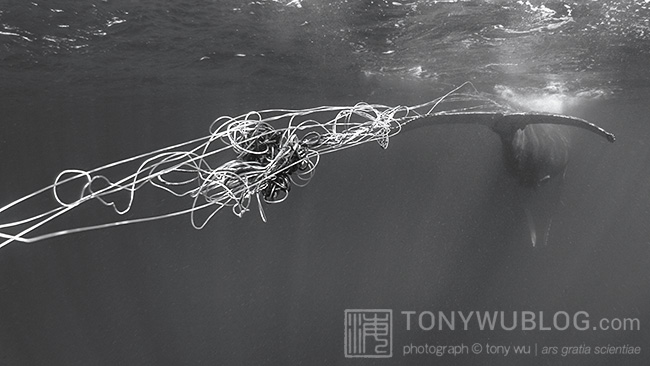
435,223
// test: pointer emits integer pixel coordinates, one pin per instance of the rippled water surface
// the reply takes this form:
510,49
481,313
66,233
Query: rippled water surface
433,223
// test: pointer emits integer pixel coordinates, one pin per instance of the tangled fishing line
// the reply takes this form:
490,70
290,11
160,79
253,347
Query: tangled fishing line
272,151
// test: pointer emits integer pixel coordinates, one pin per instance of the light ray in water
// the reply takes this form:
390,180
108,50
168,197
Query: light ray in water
269,152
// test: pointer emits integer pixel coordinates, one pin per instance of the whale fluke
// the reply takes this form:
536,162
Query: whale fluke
521,120
497,121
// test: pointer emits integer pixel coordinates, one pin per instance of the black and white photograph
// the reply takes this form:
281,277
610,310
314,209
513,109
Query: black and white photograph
324,182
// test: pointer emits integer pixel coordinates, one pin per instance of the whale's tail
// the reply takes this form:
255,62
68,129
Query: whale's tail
535,150
519,121
505,123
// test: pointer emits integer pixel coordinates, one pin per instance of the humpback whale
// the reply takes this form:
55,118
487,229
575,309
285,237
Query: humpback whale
535,148
534,153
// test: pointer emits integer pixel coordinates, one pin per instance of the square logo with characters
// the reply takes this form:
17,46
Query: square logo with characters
369,333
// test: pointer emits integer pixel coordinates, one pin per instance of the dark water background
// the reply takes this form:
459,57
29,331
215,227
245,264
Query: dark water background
432,223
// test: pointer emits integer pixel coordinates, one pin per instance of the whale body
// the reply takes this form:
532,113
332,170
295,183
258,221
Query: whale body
535,149
534,154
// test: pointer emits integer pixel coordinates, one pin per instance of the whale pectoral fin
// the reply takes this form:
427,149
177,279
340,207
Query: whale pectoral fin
531,227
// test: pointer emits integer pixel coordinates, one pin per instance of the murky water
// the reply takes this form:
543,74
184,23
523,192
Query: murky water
433,223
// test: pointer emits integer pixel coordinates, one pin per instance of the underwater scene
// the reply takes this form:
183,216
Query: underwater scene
345,182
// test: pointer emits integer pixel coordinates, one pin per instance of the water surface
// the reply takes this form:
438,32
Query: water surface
433,223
